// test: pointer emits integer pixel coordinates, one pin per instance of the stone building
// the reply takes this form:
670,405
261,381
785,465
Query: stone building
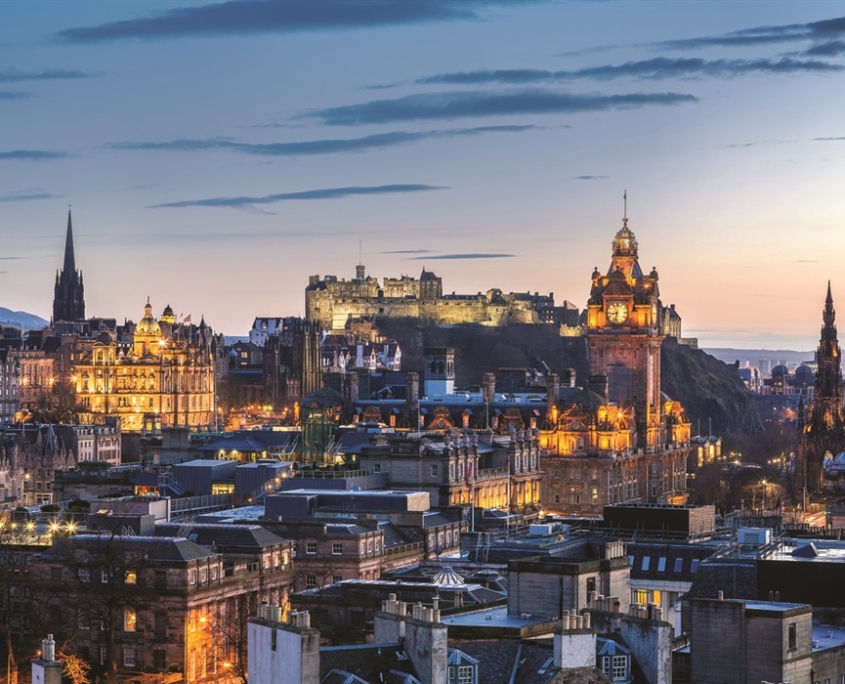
69,296
151,604
620,438
163,376
333,302
10,377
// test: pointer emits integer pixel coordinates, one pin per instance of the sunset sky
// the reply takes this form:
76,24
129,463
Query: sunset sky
216,155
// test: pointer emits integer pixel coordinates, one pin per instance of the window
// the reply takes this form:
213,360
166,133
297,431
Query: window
204,575
336,579
214,572
620,667
102,655
130,619
694,566
131,577
646,563
556,473
128,656
311,547
104,576
273,640
793,641
434,471
370,546
337,549
640,597
679,565
84,574
310,581
594,495
192,576
661,564
376,467
465,674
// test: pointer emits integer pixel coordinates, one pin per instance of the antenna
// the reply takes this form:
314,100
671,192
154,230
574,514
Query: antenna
625,207
359,251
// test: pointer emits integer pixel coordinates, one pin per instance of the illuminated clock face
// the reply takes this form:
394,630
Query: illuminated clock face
617,313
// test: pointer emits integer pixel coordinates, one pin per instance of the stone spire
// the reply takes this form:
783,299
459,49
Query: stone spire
69,294
70,262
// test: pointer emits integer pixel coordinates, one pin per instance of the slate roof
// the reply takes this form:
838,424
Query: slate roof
241,537
370,662
165,549
678,560
517,662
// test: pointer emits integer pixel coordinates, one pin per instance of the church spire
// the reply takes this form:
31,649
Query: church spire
70,262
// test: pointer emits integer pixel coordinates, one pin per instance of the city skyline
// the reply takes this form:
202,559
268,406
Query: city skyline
217,155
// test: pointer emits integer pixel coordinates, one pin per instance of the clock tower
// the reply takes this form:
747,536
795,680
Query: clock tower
623,336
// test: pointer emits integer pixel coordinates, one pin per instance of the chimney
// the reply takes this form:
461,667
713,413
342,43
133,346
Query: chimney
598,384
46,669
568,377
488,388
552,393
280,653
412,397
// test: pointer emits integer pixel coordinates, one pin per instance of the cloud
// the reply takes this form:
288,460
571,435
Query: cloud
313,147
324,193
408,251
591,177
806,261
760,142
656,68
832,139
12,258
239,17
34,155
463,256
28,196
825,30
831,48
14,95
452,105
15,76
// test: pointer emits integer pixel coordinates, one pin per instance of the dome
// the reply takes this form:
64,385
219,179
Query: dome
780,370
625,244
167,316
837,463
804,375
148,325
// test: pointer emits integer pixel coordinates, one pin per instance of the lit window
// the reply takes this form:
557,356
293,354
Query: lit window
130,619
131,577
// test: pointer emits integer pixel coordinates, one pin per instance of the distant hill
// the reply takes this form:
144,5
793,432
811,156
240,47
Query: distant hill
754,356
707,387
21,319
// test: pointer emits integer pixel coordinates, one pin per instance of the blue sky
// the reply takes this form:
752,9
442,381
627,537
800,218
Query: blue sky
216,155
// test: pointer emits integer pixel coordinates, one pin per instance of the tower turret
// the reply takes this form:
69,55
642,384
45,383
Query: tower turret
69,293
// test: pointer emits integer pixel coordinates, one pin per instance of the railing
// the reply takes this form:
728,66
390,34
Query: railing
192,503
329,474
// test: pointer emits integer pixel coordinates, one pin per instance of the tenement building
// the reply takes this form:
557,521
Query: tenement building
620,438
333,303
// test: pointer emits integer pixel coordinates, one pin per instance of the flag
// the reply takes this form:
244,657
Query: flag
187,319
469,477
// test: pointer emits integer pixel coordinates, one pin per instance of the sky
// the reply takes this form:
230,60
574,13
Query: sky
217,155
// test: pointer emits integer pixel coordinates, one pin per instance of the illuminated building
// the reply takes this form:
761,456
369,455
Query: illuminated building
69,297
620,438
163,377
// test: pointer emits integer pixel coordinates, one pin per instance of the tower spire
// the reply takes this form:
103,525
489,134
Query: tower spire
70,261
625,207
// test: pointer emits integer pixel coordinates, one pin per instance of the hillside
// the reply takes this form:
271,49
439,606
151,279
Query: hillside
21,319
707,387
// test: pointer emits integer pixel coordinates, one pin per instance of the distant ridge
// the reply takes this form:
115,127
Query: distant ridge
21,319
729,355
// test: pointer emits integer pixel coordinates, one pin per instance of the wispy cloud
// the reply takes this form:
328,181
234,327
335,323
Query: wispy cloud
825,31
831,139
477,255
408,251
591,177
16,76
313,147
14,95
654,69
265,16
34,155
831,48
27,197
321,194
453,105
12,258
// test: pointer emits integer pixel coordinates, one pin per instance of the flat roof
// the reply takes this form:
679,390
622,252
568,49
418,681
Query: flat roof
493,617
827,636
827,551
